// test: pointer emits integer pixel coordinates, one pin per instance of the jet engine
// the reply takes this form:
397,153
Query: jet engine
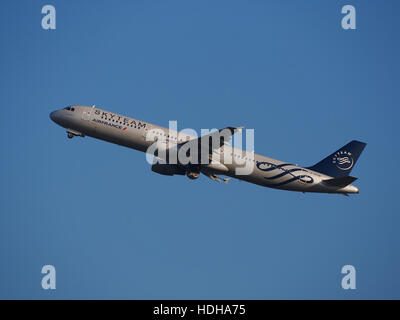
193,175
171,169
167,169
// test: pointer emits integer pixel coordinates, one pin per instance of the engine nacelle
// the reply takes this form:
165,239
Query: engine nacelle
193,175
167,169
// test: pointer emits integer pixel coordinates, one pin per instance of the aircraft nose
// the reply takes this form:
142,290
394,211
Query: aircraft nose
55,116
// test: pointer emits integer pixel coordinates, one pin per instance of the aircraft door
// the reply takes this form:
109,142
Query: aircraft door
144,133
86,114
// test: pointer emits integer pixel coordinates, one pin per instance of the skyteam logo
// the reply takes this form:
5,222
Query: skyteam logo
343,160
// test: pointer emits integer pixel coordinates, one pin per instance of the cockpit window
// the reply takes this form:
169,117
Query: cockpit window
70,108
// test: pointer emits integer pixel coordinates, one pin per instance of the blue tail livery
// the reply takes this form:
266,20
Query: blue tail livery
341,162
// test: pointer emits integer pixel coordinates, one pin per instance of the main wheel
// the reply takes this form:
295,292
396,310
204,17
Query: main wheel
70,135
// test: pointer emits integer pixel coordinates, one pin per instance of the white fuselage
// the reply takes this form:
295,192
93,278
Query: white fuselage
132,133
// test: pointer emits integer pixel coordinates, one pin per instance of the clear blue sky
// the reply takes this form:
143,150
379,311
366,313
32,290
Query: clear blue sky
114,229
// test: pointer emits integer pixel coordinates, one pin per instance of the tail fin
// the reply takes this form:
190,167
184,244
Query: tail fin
340,163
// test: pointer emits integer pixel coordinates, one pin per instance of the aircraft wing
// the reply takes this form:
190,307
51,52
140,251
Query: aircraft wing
214,140
206,144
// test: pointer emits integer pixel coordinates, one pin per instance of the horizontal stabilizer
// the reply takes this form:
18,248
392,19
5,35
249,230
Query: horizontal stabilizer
340,182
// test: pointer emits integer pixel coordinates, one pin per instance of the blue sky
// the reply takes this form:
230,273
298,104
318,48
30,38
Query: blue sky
113,229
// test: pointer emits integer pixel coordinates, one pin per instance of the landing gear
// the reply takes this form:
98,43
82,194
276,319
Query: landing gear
216,178
72,133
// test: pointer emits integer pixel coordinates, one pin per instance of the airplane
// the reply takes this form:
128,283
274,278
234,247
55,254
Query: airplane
330,175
